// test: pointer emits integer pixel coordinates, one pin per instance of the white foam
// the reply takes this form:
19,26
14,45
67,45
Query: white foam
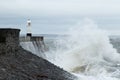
86,51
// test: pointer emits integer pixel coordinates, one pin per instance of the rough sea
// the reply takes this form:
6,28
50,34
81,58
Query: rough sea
86,51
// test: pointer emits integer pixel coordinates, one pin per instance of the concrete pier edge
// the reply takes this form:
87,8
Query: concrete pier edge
19,64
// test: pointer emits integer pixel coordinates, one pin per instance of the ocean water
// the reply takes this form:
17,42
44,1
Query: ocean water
86,52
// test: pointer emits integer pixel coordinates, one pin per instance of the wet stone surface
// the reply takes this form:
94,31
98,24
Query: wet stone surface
19,64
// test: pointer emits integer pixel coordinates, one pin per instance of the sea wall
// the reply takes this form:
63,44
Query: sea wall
31,38
9,40
19,64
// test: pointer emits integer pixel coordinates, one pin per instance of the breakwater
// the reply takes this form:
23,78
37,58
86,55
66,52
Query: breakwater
18,64
34,44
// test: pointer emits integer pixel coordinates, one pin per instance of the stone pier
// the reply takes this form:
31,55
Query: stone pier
31,38
9,39
19,64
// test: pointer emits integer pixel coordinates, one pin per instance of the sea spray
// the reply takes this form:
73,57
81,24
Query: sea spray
87,52
36,47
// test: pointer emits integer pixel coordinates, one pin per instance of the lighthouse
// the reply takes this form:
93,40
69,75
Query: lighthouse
29,34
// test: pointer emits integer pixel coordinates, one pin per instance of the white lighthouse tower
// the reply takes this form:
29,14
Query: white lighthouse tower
29,33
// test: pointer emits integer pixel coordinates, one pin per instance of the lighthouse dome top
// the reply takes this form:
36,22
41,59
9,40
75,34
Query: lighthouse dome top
28,21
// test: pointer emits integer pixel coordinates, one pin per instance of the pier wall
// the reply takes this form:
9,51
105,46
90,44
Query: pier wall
32,38
17,63
9,40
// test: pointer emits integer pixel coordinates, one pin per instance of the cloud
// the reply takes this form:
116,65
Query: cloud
60,7
52,16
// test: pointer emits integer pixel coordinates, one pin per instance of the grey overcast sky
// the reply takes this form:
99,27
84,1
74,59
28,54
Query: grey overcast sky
57,16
